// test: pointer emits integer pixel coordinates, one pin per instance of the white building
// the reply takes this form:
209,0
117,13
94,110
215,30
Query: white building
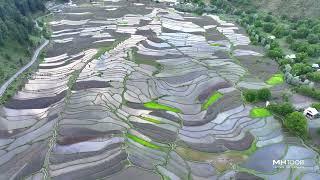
311,112
272,37
290,56
316,66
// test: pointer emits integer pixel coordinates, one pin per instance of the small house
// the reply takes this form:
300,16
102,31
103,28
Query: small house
315,66
272,37
291,56
311,113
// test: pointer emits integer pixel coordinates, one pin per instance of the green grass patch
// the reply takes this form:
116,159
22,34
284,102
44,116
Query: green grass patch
259,112
151,120
276,79
212,99
216,45
104,49
101,51
123,23
143,142
155,105
140,59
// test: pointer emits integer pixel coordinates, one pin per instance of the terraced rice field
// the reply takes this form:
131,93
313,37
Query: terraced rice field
136,111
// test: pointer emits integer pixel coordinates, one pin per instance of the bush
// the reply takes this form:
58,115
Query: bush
275,53
300,69
268,27
316,105
257,95
250,95
316,29
313,38
289,39
268,18
279,31
296,122
258,23
281,109
301,57
314,76
302,32
308,91
263,94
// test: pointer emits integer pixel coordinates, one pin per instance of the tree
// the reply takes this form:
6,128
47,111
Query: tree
2,74
316,105
314,76
296,122
279,31
289,39
250,95
258,23
268,18
281,109
316,29
301,57
263,94
275,53
301,68
302,32
313,38
268,27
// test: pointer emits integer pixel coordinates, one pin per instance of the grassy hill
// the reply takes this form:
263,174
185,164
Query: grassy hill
290,8
296,9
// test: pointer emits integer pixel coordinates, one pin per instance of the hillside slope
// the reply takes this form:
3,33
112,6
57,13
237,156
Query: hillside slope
290,8
19,34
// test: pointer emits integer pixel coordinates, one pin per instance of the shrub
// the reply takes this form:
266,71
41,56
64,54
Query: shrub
301,57
289,39
263,94
268,18
279,31
283,62
268,27
316,29
296,122
258,23
316,105
313,38
250,95
301,68
302,32
314,76
308,91
275,53
282,109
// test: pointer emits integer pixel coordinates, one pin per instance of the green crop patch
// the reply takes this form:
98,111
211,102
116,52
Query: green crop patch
155,105
216,45
151,120
212,99
259,113
143,142
276,79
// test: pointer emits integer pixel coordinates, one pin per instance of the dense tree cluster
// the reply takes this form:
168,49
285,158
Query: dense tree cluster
263,94
15,19
281,109
296,123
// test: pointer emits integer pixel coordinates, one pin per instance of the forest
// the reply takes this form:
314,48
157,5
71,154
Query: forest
19,34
